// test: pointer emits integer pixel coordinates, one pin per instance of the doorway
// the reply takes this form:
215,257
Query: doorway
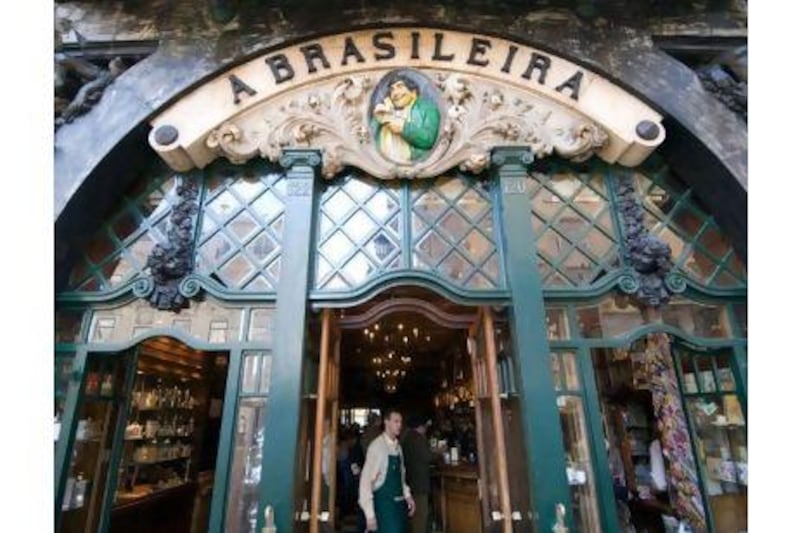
146,440
449,369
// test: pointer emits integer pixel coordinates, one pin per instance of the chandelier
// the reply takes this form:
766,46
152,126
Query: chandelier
392,349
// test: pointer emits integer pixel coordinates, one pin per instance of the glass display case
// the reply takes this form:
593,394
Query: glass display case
719,430
160,435
100,407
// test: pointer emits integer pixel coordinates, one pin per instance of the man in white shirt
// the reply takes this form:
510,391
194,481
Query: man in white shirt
383,493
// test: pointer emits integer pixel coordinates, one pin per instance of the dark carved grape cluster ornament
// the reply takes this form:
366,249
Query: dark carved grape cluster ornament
649,257
171,262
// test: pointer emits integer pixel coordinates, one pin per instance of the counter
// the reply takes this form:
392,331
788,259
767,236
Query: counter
456,498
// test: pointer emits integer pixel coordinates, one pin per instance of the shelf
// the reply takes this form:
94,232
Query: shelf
144,463
160,437
162,408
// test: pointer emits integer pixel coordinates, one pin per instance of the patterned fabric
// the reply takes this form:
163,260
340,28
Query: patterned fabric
682,474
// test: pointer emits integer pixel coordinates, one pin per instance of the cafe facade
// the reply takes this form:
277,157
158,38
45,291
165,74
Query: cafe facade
243,207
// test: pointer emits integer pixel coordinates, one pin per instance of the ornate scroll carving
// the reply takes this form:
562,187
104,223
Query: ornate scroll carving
170,263
476,115
650,257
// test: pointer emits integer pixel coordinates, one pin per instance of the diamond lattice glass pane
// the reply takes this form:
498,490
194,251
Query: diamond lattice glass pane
487,224
394,265
557,280
713,241
429,206
660,201
686,220
491,268
78,273
454,226
577,267
236,270
455,267
421,261
216,249
432,248
572,225
274,269
207,226
323,269
737,267
537,224
543,267
278,184
359,226
473,204
550,245
267,206
358,188
478,281
725,279
604,221
546,204
676,244
325,225
565,184
100,247
476,246
589,202
162,230
125,224
140,250
381,247
597,244
699,265
358,269
156,202
223,206
394,225
335,283
418,224
247,187
338,205
243,226
118,271
381,206
449,187
277,227
90,285
262,247
337,248
259,284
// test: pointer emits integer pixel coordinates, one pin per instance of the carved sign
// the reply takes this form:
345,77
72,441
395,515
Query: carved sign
404,103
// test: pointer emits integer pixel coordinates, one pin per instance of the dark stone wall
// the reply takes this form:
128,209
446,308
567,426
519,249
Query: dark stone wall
98,154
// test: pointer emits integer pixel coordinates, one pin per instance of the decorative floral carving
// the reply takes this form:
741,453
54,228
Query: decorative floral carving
478,115
650,257
171,262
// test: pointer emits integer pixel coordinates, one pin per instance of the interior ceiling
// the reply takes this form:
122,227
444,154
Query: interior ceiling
165,355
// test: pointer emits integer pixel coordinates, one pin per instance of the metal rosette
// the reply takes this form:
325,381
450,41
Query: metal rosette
143,287
190,286
675,283
629,282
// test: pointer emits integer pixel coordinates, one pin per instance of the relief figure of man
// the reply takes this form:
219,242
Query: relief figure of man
405,124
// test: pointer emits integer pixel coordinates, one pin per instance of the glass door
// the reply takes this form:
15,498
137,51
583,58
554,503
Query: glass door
492,462
100,423
320,441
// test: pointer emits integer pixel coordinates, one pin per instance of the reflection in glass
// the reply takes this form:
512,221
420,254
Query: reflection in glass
121,323
557,325
261,324
245,471
68,325
580,475
700,320
613,317
721,441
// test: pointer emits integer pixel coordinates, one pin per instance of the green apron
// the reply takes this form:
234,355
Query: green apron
390,507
